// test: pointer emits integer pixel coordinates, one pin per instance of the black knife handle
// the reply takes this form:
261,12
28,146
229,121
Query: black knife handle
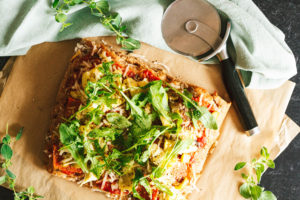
237,94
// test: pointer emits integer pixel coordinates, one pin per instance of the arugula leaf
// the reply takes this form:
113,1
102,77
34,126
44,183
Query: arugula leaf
70,138
162,188
106,68
143,120
117,120
106,132
95,90
207,119
95,116
194,114
115,154
146,154
179,120
140,99
145,139
159,99
179,147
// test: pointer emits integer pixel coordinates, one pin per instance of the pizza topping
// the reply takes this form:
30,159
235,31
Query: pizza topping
131,132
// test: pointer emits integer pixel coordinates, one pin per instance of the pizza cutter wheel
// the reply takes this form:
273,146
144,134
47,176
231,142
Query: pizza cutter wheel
192,27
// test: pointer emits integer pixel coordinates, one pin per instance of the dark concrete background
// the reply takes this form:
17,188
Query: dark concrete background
284,180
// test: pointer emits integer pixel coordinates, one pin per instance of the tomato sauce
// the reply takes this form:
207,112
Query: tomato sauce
69,170
149,75
202,140
204,103
107,187
154,194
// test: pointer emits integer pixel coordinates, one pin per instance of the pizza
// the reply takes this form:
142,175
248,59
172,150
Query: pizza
125,127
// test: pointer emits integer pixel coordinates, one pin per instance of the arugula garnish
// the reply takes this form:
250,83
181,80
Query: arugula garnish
9,177
117,120
106,132
101,9
162,187
178,148
70,138
145,139
97,148
159,100
251,189
179,120
143,120
198,112
146,154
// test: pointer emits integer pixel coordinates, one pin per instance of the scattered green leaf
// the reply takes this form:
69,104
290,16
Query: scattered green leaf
239,165
251,189
100,9
245,190
19,134
6,151
267,195
9,177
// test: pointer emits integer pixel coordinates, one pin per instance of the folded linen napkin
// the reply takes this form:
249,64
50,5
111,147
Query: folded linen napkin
259,47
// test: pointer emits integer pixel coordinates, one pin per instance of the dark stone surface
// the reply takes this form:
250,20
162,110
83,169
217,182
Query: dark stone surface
284,180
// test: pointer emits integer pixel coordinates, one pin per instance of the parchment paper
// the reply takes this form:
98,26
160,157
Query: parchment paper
30,93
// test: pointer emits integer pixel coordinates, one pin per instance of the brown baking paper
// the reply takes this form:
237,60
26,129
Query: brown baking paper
29,96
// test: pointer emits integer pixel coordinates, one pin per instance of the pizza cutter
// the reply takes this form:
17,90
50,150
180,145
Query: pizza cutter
193,27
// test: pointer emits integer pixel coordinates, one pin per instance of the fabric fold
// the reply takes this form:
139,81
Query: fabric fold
258,46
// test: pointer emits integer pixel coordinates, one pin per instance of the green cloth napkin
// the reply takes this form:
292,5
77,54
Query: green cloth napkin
259,47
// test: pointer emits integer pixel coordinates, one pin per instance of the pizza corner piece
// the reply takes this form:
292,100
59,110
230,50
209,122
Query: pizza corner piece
125,127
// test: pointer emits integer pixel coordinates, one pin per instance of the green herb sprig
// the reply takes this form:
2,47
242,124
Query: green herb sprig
251,189
9,177
101,9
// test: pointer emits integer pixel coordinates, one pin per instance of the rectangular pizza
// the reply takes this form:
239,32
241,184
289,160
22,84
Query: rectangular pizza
123,126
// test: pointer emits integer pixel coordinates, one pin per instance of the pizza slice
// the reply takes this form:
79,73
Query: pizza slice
123,126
